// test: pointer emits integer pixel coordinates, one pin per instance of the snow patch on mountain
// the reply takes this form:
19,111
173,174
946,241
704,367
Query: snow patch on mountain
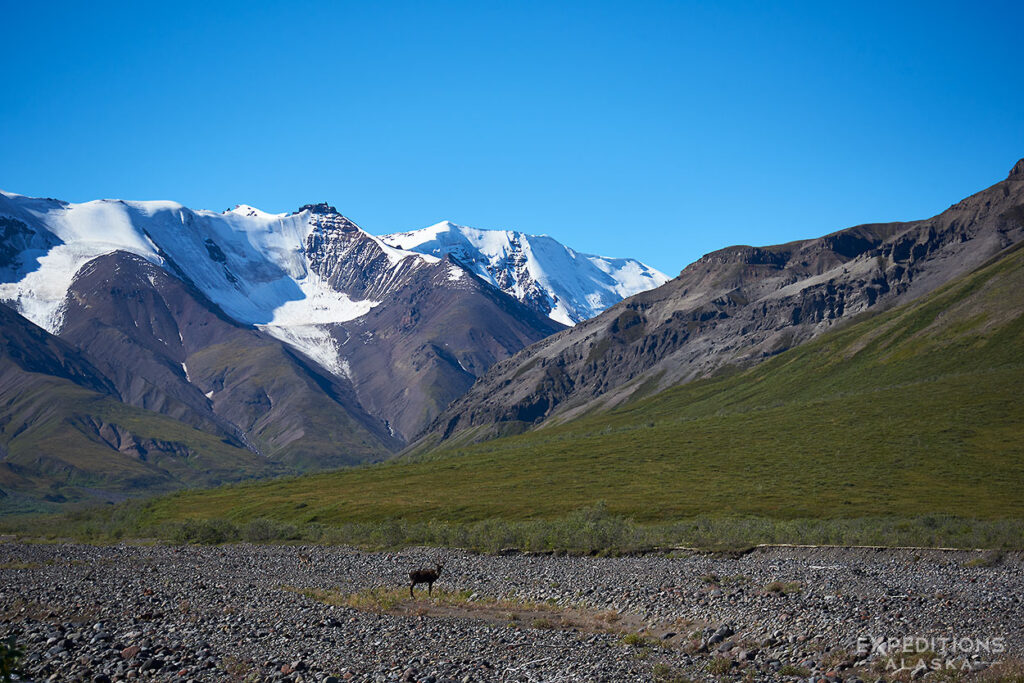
320,305
252,264
315,341
84,232
455,273
252,212
396,256
538,270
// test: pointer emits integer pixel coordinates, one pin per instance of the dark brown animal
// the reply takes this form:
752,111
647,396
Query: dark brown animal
427,576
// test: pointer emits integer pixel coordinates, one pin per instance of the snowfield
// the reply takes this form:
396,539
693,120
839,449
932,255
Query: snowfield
574,286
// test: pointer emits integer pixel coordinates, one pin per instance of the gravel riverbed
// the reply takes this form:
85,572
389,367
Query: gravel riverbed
236,612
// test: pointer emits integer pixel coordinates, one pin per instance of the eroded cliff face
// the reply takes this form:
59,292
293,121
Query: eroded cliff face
351,261
426,344
736,306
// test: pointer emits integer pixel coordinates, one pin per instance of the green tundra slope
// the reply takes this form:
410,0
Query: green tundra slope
63,443
910,412
65,436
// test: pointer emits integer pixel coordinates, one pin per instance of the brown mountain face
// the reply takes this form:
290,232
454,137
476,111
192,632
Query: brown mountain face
430,339
350,260
168,349
436,329
735,307
147,378
65,436
27,349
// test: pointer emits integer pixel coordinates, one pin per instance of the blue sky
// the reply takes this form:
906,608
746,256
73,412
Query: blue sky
655,130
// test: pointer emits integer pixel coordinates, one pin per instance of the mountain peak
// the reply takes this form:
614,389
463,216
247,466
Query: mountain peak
1017,172
328,218
249,211
540,272
322,208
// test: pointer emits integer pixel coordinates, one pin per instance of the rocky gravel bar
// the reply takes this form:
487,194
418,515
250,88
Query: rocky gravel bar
238,613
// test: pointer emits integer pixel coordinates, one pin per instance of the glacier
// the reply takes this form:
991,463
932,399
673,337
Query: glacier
567,285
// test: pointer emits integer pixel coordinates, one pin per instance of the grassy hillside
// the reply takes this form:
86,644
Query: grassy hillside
911,413
57,436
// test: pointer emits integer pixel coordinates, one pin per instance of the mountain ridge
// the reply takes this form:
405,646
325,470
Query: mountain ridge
310,279
910,414
282,342
733,307
536,269
304,342
301,278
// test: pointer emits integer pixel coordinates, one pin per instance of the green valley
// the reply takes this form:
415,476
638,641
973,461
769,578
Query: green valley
910,413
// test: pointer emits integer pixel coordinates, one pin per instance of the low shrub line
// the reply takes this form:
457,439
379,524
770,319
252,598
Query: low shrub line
592,530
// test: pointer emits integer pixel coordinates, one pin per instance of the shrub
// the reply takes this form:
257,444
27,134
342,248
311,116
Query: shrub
987,559
783,587
263,530
663,673
639,640
10,655
720,665
204,531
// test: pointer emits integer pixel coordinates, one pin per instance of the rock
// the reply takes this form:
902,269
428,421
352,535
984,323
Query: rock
240,617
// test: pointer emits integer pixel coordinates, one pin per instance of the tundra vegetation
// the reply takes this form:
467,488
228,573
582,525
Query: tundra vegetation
902,428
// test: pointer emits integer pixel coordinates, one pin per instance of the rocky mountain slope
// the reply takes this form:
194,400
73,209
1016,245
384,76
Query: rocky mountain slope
735,307
909,414
65,435
167,350
387,337
241,343
535,269
430,327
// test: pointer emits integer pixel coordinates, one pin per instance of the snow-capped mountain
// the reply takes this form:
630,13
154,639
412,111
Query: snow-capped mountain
169,346
406,332
539,271
293,275
268,270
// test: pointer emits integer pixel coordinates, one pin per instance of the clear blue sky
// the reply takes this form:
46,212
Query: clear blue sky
655,130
